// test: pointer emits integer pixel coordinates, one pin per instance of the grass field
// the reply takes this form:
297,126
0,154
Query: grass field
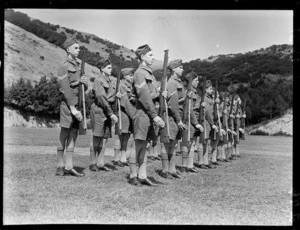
255,189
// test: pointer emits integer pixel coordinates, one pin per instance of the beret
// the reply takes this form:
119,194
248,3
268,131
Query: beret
70,41
103,63
175,63
127,71
142,50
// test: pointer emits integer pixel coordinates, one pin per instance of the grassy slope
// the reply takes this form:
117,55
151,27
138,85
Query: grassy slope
255,189
27,62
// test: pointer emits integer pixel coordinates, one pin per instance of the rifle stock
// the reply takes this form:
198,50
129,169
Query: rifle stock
117,105
81,104
243,120
163,105
230,118
202,109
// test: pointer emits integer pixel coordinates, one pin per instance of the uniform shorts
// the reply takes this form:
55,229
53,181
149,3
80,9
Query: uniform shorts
173,127
127,124
101,125
143,126
67,119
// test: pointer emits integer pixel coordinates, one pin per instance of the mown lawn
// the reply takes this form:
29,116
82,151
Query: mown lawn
256,189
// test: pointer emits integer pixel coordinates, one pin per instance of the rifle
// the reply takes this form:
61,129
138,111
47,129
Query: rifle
81,103
187,108
215,110
163,105
231,120
202,109
117,105
225,117
218,115
235,120
243,120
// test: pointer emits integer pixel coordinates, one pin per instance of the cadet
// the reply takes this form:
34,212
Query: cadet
175,122
215,136
127,100
187,154
209,125
232,133
237,124
144,116
102,115
223,141
68,80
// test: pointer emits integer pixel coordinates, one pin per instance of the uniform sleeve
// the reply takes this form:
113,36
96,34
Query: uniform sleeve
173,101
143,94
111,96
209,117
64,85
101,99
194,120
154,93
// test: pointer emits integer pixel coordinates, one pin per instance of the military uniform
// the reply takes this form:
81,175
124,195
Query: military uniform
104,90
127,102
168,151
68,81
143,129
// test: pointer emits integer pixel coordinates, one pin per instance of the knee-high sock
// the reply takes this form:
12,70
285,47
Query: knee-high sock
172,164
200,157
190,159
142,162
132,163
223,152
60,157
92,155
219,152
213,155
69,159
184,151
205,154
164,158
70,148
101,149
237,150
117,147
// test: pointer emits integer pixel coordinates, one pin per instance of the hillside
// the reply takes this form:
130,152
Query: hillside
27,56
278,126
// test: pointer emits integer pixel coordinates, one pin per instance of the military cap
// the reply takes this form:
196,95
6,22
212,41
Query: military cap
142,50
174,64
126,71
70,41
103,63
208,84
188,76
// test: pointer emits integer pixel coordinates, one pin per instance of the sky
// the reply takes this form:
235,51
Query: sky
188,34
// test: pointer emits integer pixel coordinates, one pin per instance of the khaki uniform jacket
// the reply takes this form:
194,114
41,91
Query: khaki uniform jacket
104,89
68,81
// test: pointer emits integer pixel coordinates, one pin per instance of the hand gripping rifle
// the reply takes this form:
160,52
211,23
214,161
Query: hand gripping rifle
243,120
163,105
231,119
81,103
117,105
218,116
202,109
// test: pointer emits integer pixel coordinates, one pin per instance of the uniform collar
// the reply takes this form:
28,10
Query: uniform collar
74,62
107,79
175,77
145,68
208,96
128,84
